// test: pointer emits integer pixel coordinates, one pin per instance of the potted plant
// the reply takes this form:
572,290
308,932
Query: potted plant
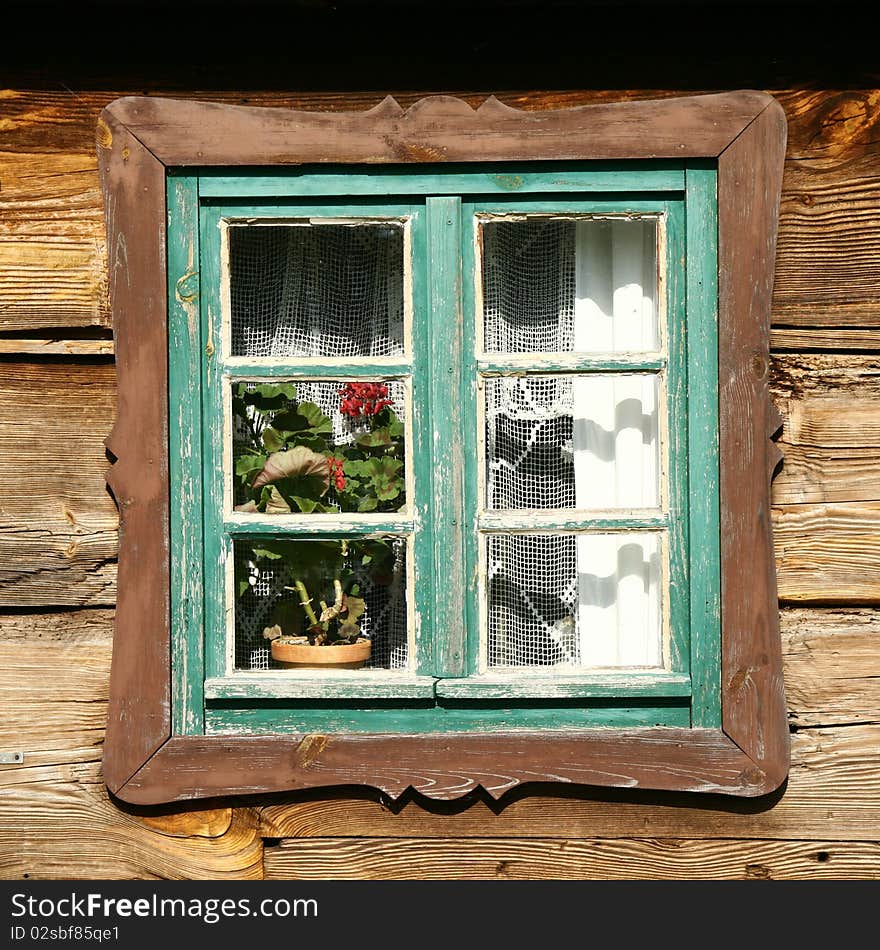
289,461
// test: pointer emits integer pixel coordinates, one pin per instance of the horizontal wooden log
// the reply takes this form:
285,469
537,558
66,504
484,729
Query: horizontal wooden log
832,666
54,347
54,829
650,859
65,626
828,554
784,338
58,523
829,240
831,431
833,791
52,254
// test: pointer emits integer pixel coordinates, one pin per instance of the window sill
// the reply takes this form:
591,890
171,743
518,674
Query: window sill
316,684
515,685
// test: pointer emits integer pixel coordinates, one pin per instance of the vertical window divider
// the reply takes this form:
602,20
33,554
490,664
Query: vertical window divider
703,440
184,449
446,460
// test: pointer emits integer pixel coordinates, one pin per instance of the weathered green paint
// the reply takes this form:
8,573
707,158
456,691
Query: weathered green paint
261,717
352,368
363,684
568,363
217,545
422,552
566,686
316,526
703,441
184,450
677,388
511,178
443,518
448,424
534,522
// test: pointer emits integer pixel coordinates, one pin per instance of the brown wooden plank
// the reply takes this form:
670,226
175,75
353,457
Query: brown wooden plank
52,239
833,791
445,767
53,269
749,181
55,347
57,522
831,435
67,626
832,666
649,859
139,717
69,828
828,554
435,129
829,243
797,338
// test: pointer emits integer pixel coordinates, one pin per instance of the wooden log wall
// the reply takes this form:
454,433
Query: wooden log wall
58,543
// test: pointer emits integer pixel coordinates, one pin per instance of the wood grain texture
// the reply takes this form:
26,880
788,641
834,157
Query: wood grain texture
57,523
833,791
67,827
139,717
53,268
752,689
832,666
785,338
828,554
831,433
54,347
52,238
435,129
445,767
648,859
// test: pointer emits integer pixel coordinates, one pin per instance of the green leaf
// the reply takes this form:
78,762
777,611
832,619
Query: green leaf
315,417
385,477
273,440
368,504
395,427
269,397
243,587
249,463
378,438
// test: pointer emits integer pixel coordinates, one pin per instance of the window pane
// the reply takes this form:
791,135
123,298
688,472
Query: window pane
358,585
570,285
317,290
318,446
586,442
585,600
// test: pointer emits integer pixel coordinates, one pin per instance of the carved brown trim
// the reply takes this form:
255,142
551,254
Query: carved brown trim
137,139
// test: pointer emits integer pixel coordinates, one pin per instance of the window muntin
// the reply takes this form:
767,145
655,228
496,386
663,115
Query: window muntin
430,674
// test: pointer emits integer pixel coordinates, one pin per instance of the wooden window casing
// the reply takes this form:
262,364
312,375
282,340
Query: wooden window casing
145,146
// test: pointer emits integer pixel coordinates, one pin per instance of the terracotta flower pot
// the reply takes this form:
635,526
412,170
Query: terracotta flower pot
297,653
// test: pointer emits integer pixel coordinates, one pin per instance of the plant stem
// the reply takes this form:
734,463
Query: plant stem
306,602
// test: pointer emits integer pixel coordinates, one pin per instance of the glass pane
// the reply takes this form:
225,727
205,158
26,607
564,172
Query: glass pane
570,285
318,446
357,585
317,290
586,442
582,600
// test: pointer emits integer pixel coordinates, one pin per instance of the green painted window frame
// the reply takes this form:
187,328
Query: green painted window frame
149,149
444,692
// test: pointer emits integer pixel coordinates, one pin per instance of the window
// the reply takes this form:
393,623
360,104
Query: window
464,416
